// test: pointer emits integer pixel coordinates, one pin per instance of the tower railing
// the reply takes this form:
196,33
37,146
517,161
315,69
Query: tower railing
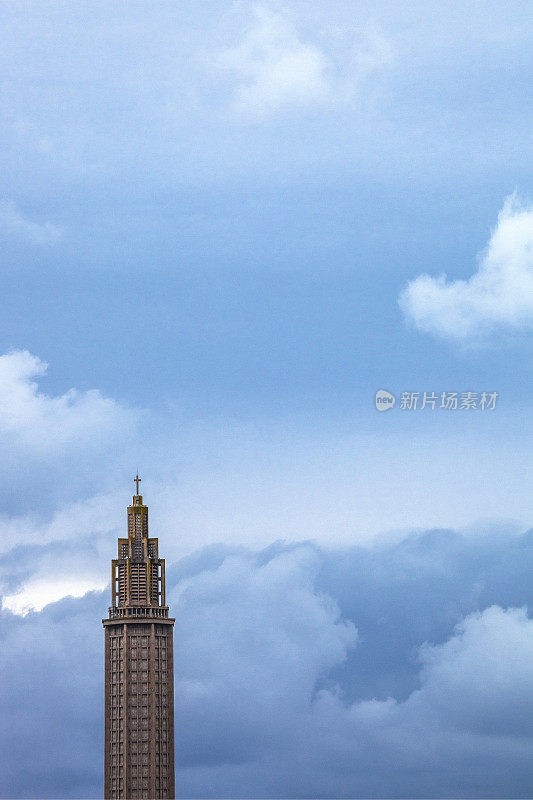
138,611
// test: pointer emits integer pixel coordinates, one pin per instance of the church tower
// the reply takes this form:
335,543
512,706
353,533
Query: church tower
139,669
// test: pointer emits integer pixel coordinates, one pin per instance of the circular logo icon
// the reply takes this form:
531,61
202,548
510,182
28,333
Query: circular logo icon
384,400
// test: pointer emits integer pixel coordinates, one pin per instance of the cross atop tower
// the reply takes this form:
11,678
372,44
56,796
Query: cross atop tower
137,480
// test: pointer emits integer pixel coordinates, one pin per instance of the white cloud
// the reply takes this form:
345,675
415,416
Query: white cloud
268,618
275,67
46,424
37,556
480,680
499,296
38,593
91,517
12,221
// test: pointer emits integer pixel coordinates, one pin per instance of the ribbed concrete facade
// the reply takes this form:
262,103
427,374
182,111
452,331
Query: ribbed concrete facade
139,670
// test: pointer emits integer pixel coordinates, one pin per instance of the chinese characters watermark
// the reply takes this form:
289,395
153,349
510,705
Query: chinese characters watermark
448,401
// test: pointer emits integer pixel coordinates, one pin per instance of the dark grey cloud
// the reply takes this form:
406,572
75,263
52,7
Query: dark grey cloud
403,669
51,696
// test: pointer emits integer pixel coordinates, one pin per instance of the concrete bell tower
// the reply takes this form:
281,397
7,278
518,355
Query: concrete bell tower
139,669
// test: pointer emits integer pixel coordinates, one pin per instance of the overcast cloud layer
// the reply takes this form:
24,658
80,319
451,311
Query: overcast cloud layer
398,671
208,212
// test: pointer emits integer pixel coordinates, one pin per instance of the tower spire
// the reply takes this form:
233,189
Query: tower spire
137,480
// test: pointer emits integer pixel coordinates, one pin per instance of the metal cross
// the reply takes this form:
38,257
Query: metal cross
137,480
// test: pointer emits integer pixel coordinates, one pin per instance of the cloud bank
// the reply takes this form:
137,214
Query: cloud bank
39,422
394,671
498,297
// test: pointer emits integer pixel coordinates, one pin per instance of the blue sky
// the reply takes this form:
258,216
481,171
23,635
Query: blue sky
224,227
